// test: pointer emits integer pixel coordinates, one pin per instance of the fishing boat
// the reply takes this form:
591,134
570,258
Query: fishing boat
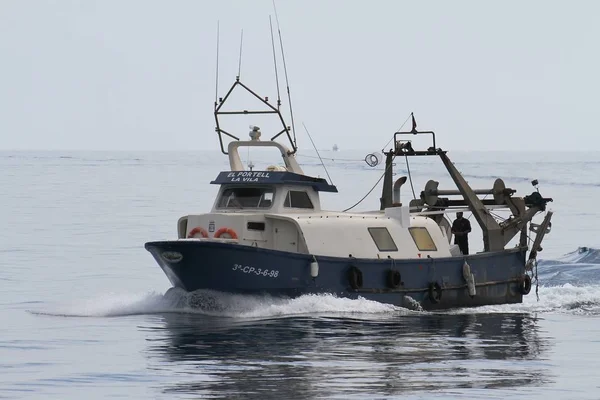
268,234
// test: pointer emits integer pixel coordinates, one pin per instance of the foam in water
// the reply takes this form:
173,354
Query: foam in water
565,299
221,304
112,305
570,284
562,299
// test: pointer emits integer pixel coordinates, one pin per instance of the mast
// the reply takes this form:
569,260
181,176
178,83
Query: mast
386,193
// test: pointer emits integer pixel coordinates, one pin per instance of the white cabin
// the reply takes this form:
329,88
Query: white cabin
280,209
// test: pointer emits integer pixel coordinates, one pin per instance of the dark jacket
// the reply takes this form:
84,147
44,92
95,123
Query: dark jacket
458,226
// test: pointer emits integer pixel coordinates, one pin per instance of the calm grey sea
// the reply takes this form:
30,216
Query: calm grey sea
83,312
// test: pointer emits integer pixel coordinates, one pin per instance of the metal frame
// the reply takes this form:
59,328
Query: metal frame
495,235
411,152
273,110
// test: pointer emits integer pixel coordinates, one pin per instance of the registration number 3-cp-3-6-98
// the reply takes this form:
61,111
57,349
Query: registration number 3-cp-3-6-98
270,273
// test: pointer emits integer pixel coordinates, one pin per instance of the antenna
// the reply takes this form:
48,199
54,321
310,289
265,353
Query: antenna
313,143
287,84
275,63
240,63
217,69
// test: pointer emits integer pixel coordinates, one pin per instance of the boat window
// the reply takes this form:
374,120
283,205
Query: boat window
255,226
422,238
297,199
239,198
383,240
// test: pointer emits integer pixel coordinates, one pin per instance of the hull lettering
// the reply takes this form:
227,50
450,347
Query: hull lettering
246,269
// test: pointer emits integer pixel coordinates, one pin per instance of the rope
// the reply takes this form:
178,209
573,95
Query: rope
537,281
534,272
410,177
381,177
398,130
497,216
374,186
313,143
469,217
333,159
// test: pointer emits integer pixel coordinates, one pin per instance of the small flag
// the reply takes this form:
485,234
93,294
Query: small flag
414,123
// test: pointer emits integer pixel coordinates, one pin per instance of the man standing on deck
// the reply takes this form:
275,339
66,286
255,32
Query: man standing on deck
461,228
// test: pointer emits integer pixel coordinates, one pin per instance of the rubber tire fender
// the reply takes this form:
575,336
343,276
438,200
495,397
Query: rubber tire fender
355,278
525,284
435,292
394,279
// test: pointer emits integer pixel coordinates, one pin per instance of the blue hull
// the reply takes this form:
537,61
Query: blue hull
433,283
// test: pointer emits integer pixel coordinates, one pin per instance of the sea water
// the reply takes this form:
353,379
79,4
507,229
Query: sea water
85,311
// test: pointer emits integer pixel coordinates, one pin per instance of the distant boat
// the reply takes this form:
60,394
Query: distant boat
335,147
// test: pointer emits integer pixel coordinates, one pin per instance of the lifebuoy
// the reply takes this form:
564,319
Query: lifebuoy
226,231
394,279
355,278
435,292
525,284
197,230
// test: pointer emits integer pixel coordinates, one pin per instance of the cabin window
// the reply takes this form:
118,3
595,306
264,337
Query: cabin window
239,198
422,238
297,199
255,226
383,240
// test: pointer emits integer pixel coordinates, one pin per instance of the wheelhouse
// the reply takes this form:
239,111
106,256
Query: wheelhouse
243,198
269,191
267,198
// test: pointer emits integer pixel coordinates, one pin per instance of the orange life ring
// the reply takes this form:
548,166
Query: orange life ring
198,230
227,231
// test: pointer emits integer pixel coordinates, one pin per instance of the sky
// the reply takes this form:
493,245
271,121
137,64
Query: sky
140,74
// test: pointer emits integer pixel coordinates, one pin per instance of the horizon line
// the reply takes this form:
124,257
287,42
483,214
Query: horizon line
311,150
